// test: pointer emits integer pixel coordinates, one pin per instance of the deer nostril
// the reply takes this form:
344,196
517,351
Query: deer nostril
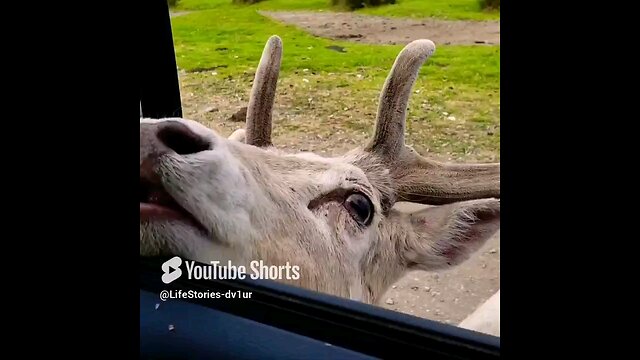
179,138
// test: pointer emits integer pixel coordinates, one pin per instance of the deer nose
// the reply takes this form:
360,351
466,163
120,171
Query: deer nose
170,137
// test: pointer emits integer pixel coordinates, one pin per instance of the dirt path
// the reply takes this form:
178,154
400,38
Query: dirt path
382,30
179,13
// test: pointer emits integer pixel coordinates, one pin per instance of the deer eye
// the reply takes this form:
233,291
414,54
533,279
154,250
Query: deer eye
360,208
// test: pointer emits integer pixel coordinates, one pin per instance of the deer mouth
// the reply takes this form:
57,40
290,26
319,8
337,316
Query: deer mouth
157,205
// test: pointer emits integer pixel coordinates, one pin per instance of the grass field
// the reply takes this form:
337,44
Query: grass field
445,9
327,99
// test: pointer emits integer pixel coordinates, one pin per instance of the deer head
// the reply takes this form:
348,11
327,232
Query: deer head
239,199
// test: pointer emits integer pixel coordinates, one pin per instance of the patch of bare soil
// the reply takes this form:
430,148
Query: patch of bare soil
179,13
382,30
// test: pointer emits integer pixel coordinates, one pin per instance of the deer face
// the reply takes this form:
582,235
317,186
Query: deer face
206,197
230,200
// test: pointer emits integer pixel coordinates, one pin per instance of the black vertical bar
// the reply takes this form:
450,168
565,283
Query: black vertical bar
159,83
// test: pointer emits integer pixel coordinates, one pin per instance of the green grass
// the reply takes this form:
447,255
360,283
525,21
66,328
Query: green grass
220,49
232,42
446,9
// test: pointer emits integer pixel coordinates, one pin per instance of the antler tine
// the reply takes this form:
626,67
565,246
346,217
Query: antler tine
388,140
263,92
418,179
426,181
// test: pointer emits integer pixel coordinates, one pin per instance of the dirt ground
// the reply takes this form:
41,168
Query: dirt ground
382,30
445,297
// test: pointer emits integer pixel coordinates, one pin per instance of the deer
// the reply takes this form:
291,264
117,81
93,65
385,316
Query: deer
207,197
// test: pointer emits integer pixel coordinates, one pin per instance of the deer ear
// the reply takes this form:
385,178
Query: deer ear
446,236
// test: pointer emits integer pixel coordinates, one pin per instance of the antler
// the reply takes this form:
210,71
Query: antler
419,179
388,140
263,92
